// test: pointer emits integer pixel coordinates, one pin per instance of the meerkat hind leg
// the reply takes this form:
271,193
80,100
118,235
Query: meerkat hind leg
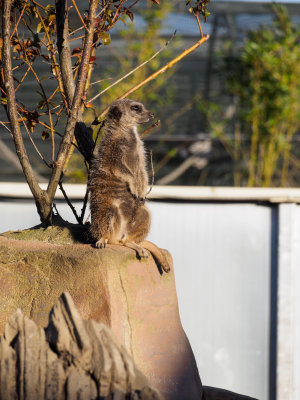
140,251
157,253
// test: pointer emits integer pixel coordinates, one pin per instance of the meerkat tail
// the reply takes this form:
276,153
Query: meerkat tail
157,253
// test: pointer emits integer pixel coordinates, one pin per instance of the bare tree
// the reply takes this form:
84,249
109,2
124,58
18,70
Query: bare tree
51,44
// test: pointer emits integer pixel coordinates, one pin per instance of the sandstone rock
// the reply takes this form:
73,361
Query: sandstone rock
110,286
76,359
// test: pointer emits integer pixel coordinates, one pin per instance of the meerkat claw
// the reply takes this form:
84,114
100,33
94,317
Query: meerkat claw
142,253
101,243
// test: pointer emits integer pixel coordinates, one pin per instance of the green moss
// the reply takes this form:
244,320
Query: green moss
61,232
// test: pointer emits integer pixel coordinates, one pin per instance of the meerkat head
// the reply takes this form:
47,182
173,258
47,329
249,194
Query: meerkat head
128,113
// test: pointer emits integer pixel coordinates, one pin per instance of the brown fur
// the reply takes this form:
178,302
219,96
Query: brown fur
118,182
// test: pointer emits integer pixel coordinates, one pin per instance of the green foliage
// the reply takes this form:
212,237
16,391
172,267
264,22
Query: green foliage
264,80
140,46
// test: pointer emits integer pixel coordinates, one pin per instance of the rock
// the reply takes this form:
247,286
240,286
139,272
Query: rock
211,393
62,232
109,286
75,359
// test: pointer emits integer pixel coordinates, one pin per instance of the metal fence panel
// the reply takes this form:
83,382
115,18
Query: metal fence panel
222,256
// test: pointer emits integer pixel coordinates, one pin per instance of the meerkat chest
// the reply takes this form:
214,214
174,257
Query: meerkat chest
140,150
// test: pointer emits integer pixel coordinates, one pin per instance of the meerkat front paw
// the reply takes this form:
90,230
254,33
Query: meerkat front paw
101,243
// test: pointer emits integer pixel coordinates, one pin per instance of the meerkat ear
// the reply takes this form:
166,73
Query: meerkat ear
115,113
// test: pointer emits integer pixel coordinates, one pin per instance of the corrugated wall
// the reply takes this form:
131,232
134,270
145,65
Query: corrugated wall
237,268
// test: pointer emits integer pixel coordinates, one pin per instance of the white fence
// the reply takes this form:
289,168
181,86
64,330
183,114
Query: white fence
237,269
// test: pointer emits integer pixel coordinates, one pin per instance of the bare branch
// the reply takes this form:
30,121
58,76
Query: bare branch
69,203
40,195
134,70
100,80
63,44
79,15
86,197
6,128
87,219
23,77
119,15
33,143
73,116
47,103
64,51
199,24
160,71
76,30
38,4
55,65
17,24
148,130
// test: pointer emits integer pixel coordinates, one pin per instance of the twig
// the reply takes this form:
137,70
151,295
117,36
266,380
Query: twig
6,128
79,15
154,125
123,13
134,70
52,52
57,133
23,77
160,71
98,15
98,134
117,13
48,127
84,205
52,95
38,4
56,210
32,142
100,80
17,24
18,66
68,201
88,217
76,38
76,30
47,103
199,24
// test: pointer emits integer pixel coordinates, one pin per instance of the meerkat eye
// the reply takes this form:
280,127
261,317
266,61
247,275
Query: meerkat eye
136,108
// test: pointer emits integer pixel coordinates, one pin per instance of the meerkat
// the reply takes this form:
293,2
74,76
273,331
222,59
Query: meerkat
118,183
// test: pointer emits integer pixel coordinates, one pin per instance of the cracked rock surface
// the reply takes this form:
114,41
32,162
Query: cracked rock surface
109,286
70,359
130,296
